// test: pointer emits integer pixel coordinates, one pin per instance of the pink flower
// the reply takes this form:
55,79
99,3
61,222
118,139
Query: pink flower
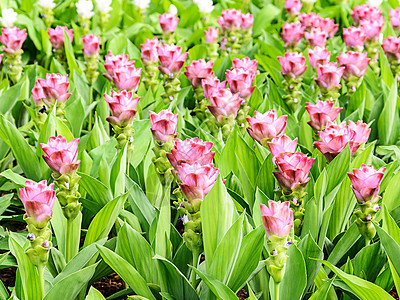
171,59
293,64
265,127
212,35
361,135
354,37
163,125
293,169
245,63
309,20
230,19
61,156
91,45
224,104
191,151
372,28
395,17
355,63
282,144
197,180
322,114
293,7
168,22
328,25
240,81
199,70
365,12
292,33
12,38
316,37
277,218
116,61
38,200
211,85
53,89
123,107
318,56
329,76
247,21
149,51
334,138
391,46
57,36
366,182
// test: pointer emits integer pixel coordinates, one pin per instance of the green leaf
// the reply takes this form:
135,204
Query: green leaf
264,18
5,202
127,272
386,72
337,169
94,295
10,97
217,287
117,178
386,118
311,250
362,288
96,189
104,220
392,192
265,178
173,281
69,53
369,262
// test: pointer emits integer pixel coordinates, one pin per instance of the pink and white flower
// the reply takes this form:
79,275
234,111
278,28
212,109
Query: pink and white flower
354,37
57,36
163,125
318,56
391,46
171,59
245,63
293,64
366,182
168,22
149,51
211,35
316,37
293,7
292,33
211,85
395,17
277,218
309,20
322,113
355,63
282,144
240,81
51,90
372,28
230,19
123,108
12,38
361,135
199,70
264,127
91,45
328,25
329,76
224,104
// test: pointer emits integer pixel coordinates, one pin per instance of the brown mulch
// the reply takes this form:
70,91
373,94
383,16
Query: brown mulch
242,294
7,276
394,294
109,285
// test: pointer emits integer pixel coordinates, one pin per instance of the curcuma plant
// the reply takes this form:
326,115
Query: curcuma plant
190,149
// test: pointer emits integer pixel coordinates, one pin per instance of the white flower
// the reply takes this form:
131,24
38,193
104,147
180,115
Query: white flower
376,3
84,9
8,17
205,6
173,10
309,1
142,4
47,4
104,6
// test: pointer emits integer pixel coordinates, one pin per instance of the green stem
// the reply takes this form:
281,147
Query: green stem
90,103
40,269
276,290
195,259
367,242
70,241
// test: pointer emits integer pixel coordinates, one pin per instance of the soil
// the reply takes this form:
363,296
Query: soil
7,276
242,294
394,294
109,285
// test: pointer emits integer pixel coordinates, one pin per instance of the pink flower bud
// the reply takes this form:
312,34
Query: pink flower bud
292,33
391,46
322,114
91,45
277,218
395,17
365,12
316,37
191,151
197,180
212,35
361,135
293,7
293,169
366,182
57,36
230,19
61,156
211,85
224,104
163,125
282,144
318,56
12,38
334,138
168,22
247,21
328,25
123,107
240,81
372,28
355,63
293,64
354,37
309,20
265,127
53,89
149,51
171,59
199,70
329,76
245,63
38,200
